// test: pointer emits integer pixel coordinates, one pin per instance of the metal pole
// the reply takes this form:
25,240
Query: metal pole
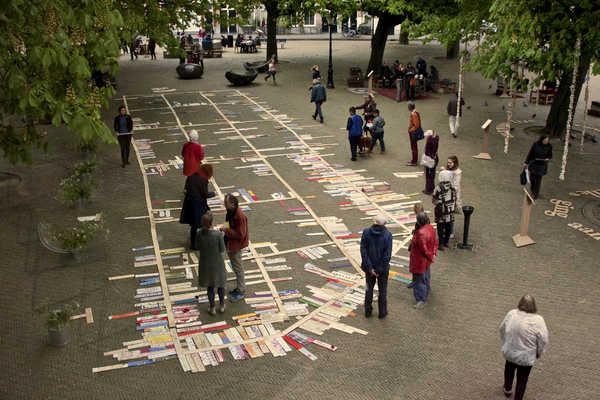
330,68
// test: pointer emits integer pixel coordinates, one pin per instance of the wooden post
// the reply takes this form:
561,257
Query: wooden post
586,102
522,238
484,155
370,82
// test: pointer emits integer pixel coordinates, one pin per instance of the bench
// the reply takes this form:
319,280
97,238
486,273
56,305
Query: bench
214,53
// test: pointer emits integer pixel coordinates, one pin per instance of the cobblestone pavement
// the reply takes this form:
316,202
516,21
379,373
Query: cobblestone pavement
449,350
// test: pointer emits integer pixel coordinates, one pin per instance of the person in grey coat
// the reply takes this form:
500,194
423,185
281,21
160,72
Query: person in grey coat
378,124
211,268
318,96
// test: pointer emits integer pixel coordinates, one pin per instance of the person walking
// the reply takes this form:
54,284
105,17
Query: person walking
272,71
423,248
152,48
415,133
376,251
354,127
444,200
236,239
195,203
211,268
192,154
537,163
453,110
452,166
318,96
316,73
123,126
524,338
378,124
431,160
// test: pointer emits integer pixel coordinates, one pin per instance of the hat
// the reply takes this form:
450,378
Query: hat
380,219
194,135
444,176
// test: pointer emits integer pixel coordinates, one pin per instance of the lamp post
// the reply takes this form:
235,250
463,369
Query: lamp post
330,84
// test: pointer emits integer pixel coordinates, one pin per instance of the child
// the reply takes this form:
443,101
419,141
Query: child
272,70
378,124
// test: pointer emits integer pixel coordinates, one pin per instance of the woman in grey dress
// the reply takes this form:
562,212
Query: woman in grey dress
211,269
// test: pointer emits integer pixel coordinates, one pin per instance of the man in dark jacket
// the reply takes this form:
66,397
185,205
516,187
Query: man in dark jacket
318,96
123,126
236,239
354,127
453,110
376,251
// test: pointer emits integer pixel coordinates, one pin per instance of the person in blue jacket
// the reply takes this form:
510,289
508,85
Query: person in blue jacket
354,127
376,251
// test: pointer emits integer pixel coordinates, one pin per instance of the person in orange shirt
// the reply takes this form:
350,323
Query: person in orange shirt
414,127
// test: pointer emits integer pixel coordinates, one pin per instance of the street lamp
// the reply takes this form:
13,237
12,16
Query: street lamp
330,84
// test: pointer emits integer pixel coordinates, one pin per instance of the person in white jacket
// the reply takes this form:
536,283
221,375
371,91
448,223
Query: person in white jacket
524,339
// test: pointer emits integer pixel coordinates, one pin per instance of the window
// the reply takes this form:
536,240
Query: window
309,19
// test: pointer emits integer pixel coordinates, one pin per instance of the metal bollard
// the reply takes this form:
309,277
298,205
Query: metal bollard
467,211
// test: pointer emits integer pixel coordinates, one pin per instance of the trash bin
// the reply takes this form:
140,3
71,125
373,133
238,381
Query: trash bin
467,211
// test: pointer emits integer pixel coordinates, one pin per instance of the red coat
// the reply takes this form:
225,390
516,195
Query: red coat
423,248
193,155
237,234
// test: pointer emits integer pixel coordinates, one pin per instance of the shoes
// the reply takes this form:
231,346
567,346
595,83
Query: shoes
234,291
266,77
427,193
410,285
321,121
211,311
382,316
222,308
368,313
411,164
353,159
454,135
382,152
507,393
420,305
236,297
314,117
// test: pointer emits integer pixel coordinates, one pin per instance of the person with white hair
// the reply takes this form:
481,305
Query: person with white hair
444,200
192,154
376,251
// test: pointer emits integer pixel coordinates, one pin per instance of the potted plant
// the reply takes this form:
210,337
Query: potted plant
57,322
77,187
73,239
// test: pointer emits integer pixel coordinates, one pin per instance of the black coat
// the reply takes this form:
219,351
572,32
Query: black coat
194,203
129,123
537,154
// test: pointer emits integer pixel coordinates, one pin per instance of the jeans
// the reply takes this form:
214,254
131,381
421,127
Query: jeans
236,264
378,136
382,280
453,124
429,179
125,144
522,377
422,285
413,148
354,141
536,184
318,110
443,232
210,292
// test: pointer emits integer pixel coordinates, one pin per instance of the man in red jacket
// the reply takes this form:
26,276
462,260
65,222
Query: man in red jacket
236,239
192,154
423,247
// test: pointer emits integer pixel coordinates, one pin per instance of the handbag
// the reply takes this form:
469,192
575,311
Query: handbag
418,134
427,161
524,176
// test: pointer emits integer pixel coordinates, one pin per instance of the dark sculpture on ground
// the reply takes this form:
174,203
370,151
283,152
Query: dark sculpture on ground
190,71
241,80
258,66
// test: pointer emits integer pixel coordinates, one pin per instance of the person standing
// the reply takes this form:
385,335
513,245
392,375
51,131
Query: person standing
455,178
524,338
444,200
453,110
152,48
378,124
318,96
195,203
211,268
409,78
316,73
236,238
183,53
369,106
537,163
431,151
414,127
123,126
354,127
417,208
423,247
272,71
192,154
376,251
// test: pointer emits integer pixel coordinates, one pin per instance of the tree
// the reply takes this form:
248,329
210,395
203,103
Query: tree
53,53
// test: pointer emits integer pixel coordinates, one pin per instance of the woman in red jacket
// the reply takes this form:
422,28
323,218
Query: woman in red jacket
192,154
423,248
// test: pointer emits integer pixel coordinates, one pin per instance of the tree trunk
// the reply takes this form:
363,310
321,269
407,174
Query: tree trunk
404,37
379,39
272,8
556,122
453,49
